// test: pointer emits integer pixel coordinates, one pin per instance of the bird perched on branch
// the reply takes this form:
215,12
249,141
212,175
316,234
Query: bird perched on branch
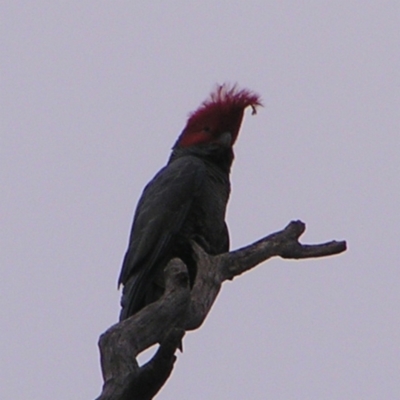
186,200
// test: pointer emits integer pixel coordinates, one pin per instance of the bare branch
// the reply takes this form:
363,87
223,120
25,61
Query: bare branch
159,322
181,309
283,243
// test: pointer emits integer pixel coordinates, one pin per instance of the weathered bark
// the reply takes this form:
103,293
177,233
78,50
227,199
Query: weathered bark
181,309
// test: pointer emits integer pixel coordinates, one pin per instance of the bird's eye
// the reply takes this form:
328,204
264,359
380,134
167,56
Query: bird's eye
206,129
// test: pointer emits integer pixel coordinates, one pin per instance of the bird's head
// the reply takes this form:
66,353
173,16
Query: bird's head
218,118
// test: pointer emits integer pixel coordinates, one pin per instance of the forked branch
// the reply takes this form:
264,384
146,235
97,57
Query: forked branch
181,309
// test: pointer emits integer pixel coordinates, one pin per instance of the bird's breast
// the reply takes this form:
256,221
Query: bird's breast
206,220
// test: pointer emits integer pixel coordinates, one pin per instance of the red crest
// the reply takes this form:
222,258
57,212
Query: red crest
222,111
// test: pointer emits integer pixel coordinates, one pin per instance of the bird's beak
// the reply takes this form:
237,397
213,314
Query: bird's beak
225,139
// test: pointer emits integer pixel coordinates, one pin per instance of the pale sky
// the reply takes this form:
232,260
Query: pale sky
93,96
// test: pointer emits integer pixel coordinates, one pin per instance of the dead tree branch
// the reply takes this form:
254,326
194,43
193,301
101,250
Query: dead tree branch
180,309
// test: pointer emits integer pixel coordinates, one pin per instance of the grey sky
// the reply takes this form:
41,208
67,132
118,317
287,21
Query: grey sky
94,94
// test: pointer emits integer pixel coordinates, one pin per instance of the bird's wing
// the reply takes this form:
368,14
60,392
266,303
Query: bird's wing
160,214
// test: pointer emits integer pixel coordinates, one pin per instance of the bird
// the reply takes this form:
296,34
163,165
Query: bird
186,200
